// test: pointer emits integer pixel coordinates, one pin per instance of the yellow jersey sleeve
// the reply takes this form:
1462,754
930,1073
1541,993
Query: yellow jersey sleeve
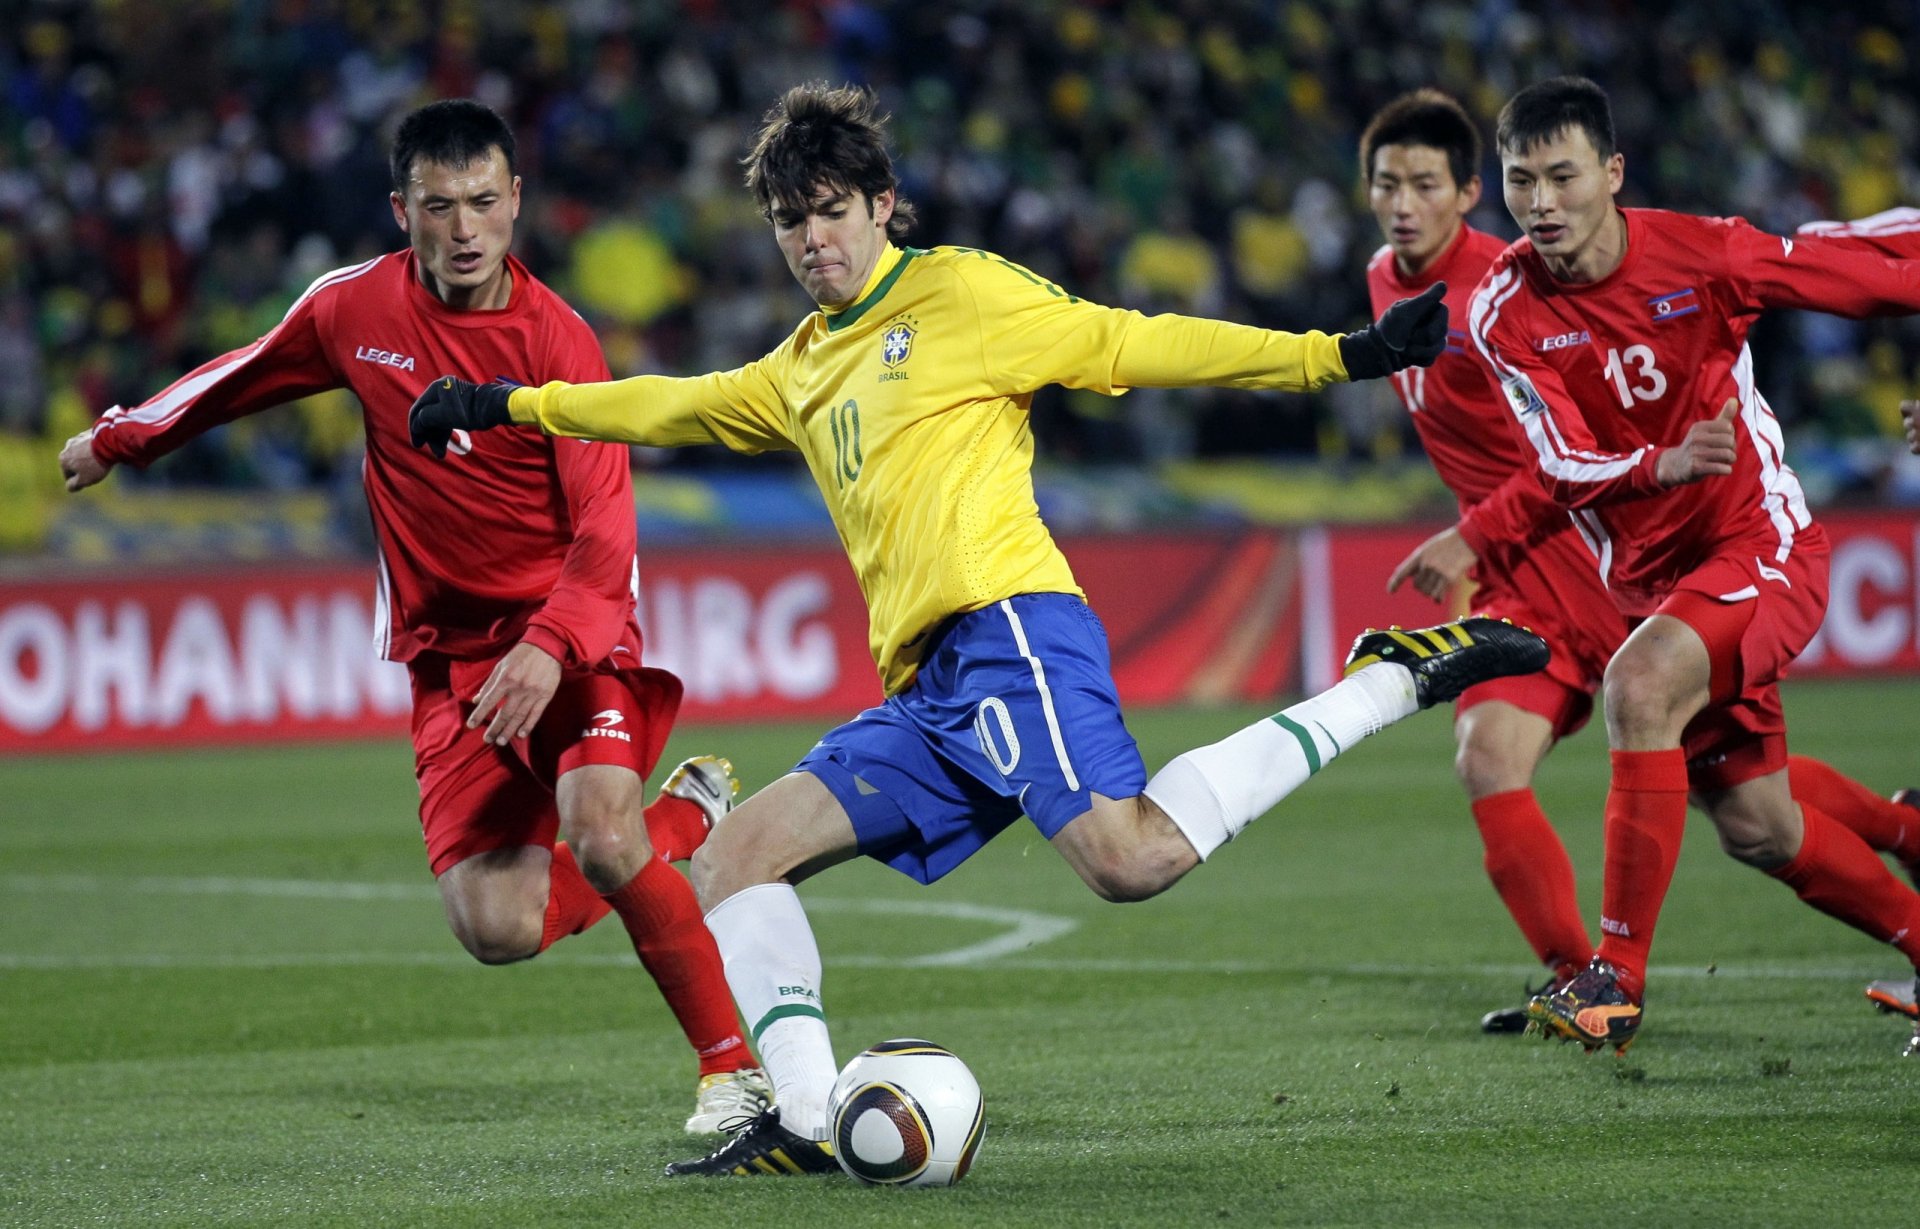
1033,334
742,408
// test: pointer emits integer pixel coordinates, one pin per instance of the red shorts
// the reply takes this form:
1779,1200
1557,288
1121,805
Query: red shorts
475,797
1555,589
1755,615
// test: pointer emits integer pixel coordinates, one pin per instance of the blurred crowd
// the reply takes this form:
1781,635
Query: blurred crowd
173,173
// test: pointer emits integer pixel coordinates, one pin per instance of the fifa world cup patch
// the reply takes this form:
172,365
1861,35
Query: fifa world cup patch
1526,399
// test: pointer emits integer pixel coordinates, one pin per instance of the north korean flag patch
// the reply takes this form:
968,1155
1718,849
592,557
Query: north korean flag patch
1673,306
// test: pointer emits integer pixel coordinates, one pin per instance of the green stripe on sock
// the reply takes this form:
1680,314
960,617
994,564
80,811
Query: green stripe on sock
781,1013
1306,740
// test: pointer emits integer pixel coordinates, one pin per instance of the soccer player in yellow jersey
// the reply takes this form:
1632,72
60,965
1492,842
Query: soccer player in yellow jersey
907,392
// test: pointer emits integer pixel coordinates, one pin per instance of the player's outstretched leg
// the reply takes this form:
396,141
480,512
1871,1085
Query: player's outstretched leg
1211,793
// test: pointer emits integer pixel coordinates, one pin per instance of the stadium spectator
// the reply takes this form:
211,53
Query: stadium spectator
1030,130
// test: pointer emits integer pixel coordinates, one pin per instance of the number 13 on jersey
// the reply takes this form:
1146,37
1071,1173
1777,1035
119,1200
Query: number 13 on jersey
1645,382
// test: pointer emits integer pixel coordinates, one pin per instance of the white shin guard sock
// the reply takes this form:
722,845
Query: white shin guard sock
1212,792
773,969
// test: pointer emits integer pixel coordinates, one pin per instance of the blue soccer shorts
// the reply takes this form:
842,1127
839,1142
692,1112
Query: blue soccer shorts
1013,711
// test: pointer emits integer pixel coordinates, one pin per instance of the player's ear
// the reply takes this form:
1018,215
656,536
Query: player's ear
516,197
399,204
881,207
1470,195
1616,171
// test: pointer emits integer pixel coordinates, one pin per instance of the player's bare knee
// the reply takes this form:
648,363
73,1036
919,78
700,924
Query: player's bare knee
1640,704
1126,851
604,825
610,854
1123,879
1486,766
500,940
1757,840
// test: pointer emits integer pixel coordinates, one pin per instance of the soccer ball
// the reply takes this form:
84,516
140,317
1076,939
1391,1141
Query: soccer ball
906,1113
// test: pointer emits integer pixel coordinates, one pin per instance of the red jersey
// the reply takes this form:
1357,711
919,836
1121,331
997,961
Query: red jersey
1463,429
1603,377
513,535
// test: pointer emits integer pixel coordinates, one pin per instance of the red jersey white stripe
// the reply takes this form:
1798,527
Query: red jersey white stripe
1601,378
516,536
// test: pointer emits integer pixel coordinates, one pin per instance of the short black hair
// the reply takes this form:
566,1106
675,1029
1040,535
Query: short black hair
1549,108
453,132
817,137
1424,117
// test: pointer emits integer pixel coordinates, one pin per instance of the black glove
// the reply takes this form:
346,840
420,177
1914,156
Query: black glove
450,404
1411,333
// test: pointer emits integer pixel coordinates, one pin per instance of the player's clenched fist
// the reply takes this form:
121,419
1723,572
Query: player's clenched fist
1411,333
451,404
78,465
1910,410
1708,450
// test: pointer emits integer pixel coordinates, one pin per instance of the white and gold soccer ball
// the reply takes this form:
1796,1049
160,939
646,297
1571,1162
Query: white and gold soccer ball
906,1113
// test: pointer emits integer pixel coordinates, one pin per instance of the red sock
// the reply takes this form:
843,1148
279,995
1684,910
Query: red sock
1839,875
663,919
675,827
1531,871
1883,825
572,904
1646,819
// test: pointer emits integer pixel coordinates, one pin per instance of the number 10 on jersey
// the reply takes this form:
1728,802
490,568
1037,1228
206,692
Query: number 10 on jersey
847,457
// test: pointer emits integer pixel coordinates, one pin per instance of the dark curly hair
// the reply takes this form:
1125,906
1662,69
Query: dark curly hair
818,137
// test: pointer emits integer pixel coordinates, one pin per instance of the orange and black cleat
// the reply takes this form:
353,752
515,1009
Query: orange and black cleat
1591,1009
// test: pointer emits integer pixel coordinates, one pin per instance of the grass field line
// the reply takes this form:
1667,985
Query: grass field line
1024,930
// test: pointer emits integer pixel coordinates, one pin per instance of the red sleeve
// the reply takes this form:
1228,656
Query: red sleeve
1844,279
592,602
287,364
1894,232
1572,469
1515,512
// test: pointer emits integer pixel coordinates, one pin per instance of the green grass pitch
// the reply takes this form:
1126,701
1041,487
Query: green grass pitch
228,997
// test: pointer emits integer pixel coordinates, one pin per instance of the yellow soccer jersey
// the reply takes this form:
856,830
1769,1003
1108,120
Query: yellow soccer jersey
910,407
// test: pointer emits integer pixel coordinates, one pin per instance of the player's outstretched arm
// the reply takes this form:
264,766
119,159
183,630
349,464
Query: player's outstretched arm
1410,333
1707,451
451,404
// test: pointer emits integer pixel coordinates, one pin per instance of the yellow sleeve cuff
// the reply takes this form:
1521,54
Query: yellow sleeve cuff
523,406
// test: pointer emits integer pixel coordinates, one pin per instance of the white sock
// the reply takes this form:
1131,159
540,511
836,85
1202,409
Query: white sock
773,968
1212,792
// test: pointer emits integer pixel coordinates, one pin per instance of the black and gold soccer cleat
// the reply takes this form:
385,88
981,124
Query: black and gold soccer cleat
761,1146
1448,659
1591,1009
